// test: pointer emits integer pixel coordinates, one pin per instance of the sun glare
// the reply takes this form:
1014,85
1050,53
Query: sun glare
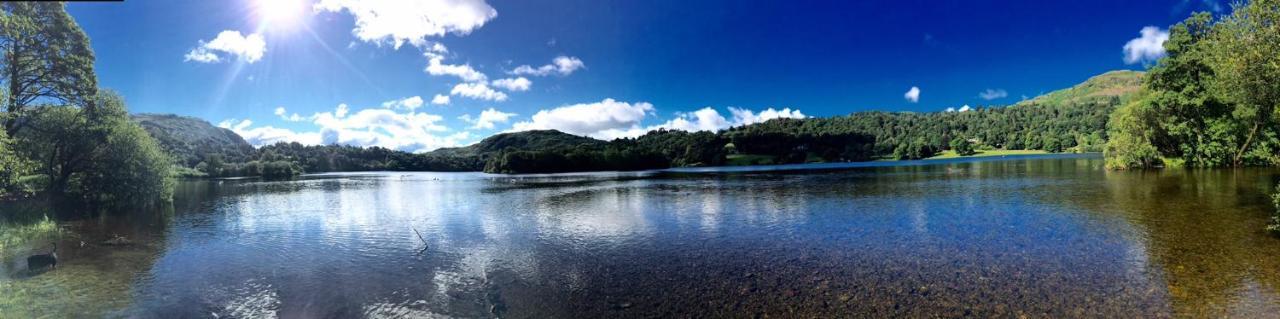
278,14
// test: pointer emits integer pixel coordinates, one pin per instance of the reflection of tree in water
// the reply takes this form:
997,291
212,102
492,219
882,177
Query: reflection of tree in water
1204,232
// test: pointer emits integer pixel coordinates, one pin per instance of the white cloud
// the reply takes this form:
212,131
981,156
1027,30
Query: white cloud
513,84
478,91
745,117
705,119
248,48
606,119
440,99
991,94
340,112
268,135
964,108
284,115
396,22
487,118
912,95
1147,48
610,119
436,66
378,126
408,103
563,65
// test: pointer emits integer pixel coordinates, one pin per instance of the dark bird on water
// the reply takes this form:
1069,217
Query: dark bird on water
40,261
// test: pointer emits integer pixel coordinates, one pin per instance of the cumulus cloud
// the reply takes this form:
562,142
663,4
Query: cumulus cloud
228,43
912,95
267,135
378,126
964,108
397,22
1148,47
991,94
479,91
745,117
284,115
487,118
610,119
408,103
440,99
606,119
705,119
563,65
513,84
436,66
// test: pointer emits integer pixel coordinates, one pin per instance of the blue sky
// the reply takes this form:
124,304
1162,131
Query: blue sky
377,72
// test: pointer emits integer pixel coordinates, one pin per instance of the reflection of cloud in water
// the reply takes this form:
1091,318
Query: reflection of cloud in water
604,214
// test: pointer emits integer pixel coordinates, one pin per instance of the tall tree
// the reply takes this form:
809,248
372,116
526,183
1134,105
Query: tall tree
1247,63
47,59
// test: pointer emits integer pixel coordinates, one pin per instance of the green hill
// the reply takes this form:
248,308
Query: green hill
519,141
190,140
1119,84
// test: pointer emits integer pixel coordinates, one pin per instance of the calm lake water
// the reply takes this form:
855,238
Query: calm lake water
1040,236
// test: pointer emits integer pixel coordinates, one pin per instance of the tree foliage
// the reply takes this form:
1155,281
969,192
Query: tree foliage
47,59
12,166
98,155
962,147
130,167
1211,102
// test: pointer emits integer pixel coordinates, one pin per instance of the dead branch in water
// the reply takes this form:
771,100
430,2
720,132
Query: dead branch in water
425,245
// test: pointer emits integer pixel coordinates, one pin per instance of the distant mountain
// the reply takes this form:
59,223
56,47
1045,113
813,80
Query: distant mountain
1115,84
190,140
519,141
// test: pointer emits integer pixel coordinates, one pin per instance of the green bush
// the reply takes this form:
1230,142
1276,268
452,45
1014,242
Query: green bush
962,147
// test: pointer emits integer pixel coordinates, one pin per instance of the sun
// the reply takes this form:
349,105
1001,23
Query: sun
280,14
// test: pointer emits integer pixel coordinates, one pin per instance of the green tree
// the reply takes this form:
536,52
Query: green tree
962,147
59,140
98,155
47,59
1130,145
1247,65
129,168
12,166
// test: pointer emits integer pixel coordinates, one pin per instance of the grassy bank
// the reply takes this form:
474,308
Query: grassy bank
13,236
950,154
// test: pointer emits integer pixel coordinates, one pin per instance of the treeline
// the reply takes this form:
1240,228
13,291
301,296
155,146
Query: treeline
61,134
1068,124
1212,101
654,150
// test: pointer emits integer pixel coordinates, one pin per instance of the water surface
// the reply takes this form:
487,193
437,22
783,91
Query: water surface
1053,236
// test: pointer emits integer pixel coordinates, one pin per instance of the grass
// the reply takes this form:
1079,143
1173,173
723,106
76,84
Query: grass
13,236
748,159
950,154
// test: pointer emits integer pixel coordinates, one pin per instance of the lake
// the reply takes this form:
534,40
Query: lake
1038,236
